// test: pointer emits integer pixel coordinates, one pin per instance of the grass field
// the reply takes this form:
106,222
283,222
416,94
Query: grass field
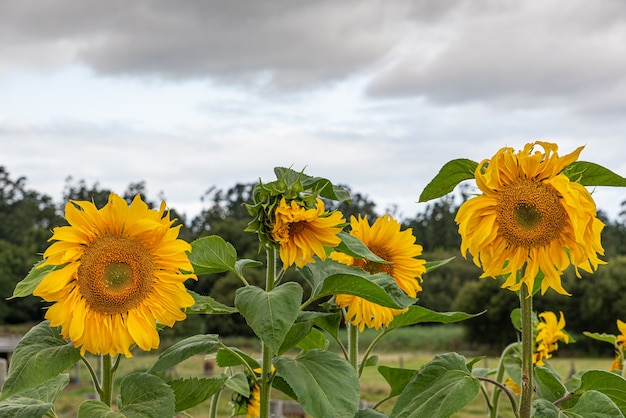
409,348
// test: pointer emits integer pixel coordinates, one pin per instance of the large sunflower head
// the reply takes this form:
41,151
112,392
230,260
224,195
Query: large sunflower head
121,270
530,220
385,239
304,232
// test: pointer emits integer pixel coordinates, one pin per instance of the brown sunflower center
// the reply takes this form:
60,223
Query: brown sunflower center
115,274
372,266
296,227
530,214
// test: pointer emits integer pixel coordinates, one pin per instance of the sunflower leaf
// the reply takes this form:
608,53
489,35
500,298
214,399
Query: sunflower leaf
29,283
145,395
212,255
184,349
419,315
316,185
608,383
270,314
233,356
396,378
208,305
439,389
607,338
36,401
41,355
324,383
355,248
193,391
432,265
296,333
97,409
451,174
592,174
331,278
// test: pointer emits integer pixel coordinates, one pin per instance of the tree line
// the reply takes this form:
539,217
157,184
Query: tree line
27,218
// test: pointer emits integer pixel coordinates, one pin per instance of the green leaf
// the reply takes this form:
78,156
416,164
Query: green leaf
270,314
212,255
516,319
296,333
329,278
28,284
451,174
314,340
22,406
542,408
97,409
145,395
432,265
593,404
419,315
41,355
591,174
234,357
610,384
369,413
325,384
607,338
32,402
317,185
208,305
243,263
355,248
184,349
548,384
193,391
396,378
329,321
239,383
439,389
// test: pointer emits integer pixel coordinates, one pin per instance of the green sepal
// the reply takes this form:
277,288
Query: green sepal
29,283
450,175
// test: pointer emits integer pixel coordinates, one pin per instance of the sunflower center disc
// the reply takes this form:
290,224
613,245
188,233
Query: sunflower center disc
116,274
530,214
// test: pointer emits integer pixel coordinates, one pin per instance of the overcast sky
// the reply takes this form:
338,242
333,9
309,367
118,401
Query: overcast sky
375,94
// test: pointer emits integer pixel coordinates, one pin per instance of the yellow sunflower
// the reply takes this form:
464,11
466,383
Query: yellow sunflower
621,339
253,404
384,239
121,271
529,218
549,332
303,233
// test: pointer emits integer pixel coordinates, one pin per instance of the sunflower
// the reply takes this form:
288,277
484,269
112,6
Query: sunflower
384,239
530,218
253,404
621,339
549,332
120,272
302,233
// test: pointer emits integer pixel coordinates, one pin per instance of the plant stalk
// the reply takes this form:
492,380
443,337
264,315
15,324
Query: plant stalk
526,304
106,395
266,367
353,345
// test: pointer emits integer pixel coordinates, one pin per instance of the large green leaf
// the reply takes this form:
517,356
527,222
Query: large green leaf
610,384
607,338
451,174
270,314
548,384
208,305
297,332
193,391
212,255
419,315
28,284
33,402
439,389
41,355
325,384
234,357
331,278
591,174
591,404
184,349
314,340
396,378
142,395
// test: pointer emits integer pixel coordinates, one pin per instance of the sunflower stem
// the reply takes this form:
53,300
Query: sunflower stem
107,380
526,304
266,384
353,345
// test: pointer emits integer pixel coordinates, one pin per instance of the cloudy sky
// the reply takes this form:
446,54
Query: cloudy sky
375,94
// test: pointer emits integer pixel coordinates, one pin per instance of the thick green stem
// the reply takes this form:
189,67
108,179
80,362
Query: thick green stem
266,367
107,380
353,345
526,304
